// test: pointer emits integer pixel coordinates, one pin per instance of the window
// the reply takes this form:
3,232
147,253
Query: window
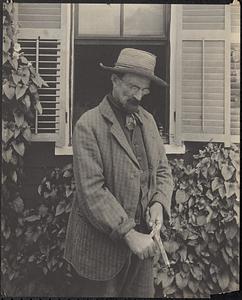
198,54
109,29
120,20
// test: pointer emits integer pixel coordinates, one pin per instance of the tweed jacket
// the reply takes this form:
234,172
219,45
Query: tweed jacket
107,176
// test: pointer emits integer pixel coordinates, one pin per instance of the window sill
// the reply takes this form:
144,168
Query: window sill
170,149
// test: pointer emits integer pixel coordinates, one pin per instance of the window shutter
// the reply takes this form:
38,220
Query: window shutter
43,37
203,87
235,72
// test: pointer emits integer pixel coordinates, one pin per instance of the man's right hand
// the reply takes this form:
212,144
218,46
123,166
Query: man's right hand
140,244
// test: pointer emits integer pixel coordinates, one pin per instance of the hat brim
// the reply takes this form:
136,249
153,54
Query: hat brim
121,69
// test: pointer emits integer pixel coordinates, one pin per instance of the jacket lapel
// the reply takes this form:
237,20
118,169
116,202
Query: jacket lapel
149,138
116,129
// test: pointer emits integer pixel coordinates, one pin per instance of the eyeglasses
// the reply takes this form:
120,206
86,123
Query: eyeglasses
135,89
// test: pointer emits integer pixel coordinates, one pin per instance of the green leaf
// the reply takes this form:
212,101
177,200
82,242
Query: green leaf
6,44
19,148
67,174
19,118
9,90
38,107
18,231
43,210
171,246
231,230
231,188
18,205
32,218
20,90
38,80
14,63
183,254
234,268
27,102
227,172
60,209
7,233
27,134
209,194
31,258
219,236
68,208
212,171
164,279
33,89
14,176
7,155
223,279
222,191
201,220
16,132
193,285
24,60
5,57
229,251
7,134
181,196
216,184
197,272
180,281
16,77
171,289
25,75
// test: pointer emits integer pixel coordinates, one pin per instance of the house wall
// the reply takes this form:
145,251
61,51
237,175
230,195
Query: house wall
40,159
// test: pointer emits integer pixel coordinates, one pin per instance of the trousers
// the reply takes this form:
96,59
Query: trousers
134,280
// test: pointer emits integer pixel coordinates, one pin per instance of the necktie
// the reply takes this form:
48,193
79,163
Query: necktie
131,121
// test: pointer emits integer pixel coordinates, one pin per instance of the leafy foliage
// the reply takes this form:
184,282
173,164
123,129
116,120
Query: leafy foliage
20,99
34,239
202,238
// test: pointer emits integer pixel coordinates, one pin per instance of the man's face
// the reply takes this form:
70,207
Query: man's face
130,90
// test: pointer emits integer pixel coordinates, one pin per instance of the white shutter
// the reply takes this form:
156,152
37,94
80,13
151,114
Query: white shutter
44,39
202,97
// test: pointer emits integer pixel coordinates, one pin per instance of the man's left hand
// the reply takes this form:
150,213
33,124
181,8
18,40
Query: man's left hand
154,215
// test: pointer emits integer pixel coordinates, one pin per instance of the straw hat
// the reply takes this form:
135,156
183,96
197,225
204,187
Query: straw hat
138,62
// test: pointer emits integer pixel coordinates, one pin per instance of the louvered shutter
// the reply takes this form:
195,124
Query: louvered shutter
235,72
44,39
203,99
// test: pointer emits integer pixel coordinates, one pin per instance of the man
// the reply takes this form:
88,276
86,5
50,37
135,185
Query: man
123,185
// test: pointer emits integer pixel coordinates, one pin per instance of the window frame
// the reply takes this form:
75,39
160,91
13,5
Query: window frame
121,36
173,147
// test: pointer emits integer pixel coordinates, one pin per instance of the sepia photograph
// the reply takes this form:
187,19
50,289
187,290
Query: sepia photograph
120,149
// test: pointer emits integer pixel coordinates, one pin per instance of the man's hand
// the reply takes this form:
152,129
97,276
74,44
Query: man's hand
154,215
140,244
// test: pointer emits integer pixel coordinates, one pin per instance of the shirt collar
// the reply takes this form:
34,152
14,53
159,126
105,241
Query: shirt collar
115,104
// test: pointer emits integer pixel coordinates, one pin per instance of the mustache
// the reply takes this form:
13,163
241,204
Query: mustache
133,101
